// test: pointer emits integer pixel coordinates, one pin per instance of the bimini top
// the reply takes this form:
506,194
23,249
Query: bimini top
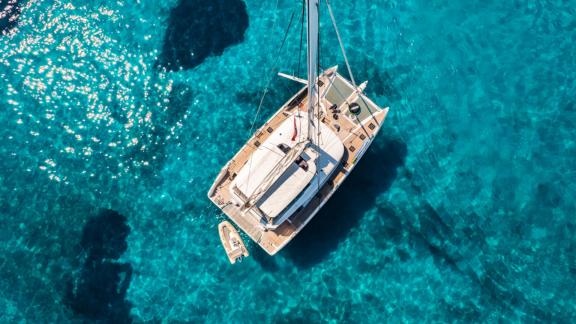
281,168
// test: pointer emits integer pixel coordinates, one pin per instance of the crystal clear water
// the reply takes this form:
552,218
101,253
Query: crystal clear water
462,210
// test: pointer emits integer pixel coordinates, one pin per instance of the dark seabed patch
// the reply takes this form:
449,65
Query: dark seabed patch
9,14
98,291
198,29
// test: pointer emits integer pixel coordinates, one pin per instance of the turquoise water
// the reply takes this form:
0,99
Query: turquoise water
462,210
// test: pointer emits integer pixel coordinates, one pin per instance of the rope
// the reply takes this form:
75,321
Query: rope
265,91
299,58
318,97
346,59
340,42
275,67
301,36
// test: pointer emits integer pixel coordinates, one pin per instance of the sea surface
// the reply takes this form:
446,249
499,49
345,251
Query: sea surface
117,115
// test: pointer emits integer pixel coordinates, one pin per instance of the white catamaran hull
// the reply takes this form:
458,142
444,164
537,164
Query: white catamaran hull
291,167
356,132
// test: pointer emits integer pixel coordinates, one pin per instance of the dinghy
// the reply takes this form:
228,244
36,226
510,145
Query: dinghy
232,242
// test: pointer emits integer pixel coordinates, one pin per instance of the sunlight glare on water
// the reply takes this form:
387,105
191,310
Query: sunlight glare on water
461,210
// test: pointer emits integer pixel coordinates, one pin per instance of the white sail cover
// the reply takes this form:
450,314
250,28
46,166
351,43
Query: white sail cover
322,158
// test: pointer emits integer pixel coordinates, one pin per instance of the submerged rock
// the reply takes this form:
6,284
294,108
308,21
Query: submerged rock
198,29
9,14
98,292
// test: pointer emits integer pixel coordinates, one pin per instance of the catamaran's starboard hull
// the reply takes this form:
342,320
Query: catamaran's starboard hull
357,133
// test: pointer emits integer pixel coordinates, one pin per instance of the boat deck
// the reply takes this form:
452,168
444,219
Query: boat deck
355,136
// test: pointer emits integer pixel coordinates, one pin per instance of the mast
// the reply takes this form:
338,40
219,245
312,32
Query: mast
312,6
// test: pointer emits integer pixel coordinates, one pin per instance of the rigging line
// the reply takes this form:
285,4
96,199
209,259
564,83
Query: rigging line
301,36
274,67
275,15
300,57
317,84
340,42
346,59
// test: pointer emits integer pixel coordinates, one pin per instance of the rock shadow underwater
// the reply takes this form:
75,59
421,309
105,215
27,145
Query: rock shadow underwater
199,29
98,289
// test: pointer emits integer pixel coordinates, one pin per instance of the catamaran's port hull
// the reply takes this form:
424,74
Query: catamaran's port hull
356,135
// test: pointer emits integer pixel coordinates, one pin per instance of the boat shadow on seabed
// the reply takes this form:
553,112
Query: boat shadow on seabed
371,177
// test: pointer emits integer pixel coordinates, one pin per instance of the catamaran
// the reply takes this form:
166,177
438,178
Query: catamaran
294,163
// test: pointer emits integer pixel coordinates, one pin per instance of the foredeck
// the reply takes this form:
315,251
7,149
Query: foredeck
355,136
